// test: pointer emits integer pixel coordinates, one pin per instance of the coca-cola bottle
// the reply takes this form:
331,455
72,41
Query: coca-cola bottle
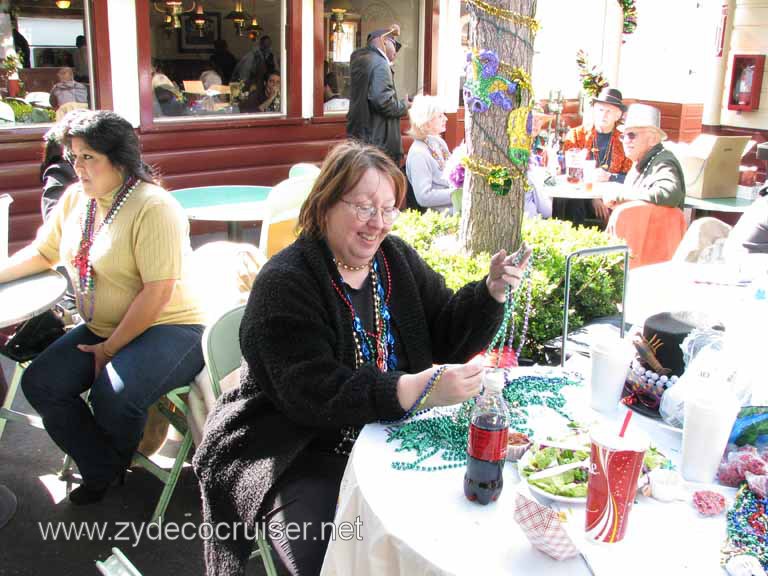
487,449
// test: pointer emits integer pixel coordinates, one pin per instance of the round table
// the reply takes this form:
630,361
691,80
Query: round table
413,522
21,300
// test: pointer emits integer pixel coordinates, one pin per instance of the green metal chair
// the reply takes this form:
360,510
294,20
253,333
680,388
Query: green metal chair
221,349
174,407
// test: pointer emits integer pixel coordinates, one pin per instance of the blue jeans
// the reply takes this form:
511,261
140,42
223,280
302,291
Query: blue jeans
102,442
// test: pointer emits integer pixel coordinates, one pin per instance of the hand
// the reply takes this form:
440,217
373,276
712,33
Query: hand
503,273
610,197
601,210
601,175
99,357
458,383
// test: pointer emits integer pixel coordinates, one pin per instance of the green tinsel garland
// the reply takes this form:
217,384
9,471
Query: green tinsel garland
592,79
629,9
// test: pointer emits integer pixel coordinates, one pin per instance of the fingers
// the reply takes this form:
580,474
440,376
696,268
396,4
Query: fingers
86,348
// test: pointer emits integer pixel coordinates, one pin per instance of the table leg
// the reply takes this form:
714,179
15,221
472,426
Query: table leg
234,232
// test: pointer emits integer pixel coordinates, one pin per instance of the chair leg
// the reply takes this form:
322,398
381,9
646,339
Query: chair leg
265,551
170,484
11,394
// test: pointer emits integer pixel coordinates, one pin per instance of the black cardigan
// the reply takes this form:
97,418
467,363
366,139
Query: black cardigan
299,377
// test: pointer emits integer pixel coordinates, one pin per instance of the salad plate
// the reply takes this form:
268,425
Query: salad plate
569,487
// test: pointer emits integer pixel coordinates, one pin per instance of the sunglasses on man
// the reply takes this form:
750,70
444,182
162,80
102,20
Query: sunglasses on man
630,135
395,43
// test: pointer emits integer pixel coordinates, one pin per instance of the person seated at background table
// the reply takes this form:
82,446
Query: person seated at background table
125,244
602,141
537,202
751,231
251,69
656,175
168,99
266,98
210,78
425,162
332,100
56,172
342,328
67,89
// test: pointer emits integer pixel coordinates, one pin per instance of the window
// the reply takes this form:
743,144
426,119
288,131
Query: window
47,72
217,58
346,25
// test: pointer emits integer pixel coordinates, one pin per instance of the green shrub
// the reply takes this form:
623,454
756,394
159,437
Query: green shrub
596,281
26,113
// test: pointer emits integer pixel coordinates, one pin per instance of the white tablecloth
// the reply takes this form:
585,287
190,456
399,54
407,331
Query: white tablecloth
420,522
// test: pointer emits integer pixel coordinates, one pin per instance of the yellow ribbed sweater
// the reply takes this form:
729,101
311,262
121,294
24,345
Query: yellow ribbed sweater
147,241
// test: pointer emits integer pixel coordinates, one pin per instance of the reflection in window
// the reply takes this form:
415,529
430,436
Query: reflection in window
217,58
347,24
46,70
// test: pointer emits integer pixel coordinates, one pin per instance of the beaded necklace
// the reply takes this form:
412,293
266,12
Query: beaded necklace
377,347
82,260
505,356
440,155
596,152
349,268
644,173
747,527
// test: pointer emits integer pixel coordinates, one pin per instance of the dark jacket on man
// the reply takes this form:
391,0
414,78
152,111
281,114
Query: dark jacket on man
259,429
374,109
657,178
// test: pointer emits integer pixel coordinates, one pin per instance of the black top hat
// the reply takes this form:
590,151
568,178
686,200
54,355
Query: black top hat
610,96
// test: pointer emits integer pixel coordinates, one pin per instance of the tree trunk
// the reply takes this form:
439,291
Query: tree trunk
490,222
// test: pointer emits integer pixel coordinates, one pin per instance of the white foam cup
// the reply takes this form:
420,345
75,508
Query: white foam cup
709,418
611,359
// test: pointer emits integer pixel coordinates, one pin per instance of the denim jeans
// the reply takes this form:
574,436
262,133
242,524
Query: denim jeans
102,441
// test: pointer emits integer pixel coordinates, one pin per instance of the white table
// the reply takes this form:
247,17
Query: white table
684,286
421,523
21,300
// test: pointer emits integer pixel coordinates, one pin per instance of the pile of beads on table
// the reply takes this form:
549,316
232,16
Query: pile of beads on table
748,527
444,431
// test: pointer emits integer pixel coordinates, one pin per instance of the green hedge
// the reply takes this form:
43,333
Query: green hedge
596,281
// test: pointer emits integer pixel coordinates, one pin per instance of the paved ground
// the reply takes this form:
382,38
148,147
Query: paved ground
29,462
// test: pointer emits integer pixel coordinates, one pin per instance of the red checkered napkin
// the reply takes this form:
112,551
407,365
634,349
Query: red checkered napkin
543,528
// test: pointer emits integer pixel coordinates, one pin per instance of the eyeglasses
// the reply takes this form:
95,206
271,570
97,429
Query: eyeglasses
629,135
365,212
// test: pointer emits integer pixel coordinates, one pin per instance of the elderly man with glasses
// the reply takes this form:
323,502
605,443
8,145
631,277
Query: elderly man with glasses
656,176
374,108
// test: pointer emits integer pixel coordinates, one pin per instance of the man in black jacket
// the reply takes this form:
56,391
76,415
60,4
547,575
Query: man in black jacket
374,109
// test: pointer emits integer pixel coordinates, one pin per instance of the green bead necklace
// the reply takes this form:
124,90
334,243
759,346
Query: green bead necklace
446,433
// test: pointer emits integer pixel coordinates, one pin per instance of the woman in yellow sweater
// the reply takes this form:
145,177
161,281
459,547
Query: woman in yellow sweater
125,244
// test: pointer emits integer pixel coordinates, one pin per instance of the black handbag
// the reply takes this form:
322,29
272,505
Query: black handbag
35,335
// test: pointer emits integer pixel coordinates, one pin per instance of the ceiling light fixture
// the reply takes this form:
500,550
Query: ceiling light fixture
174,9
63,4
238,17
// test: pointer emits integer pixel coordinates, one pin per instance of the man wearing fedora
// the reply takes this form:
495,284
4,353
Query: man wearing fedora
656,176
374,108
603,144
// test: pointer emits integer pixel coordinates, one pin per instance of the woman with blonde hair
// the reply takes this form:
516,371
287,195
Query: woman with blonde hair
428,154
342,328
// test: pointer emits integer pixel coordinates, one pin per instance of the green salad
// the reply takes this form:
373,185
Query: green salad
571,483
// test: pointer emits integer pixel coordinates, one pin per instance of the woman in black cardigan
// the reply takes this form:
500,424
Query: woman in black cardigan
342,328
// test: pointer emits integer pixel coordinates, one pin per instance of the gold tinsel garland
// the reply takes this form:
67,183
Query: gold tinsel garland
504,14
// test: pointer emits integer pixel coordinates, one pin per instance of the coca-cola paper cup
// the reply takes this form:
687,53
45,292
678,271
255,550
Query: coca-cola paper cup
615,467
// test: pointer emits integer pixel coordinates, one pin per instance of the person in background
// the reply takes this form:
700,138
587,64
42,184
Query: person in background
342,328
332,100
251,70
265,45
125,244
425,163
222,60
751,231
210,78
603,144
374,108
267,98
81,60
56,172
168,99
656,175
20,43
67,89
537,202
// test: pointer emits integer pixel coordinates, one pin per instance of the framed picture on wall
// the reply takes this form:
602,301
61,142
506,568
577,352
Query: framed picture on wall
194,39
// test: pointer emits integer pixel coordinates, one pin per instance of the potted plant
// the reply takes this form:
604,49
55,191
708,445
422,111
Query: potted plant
11,64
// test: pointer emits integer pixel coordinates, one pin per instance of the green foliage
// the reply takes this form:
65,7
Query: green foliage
26,113
596,281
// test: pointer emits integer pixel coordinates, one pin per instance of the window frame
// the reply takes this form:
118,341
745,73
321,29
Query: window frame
147,121
429,43
96,29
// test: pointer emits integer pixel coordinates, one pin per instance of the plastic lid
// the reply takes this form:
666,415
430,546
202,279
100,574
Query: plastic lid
493,380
